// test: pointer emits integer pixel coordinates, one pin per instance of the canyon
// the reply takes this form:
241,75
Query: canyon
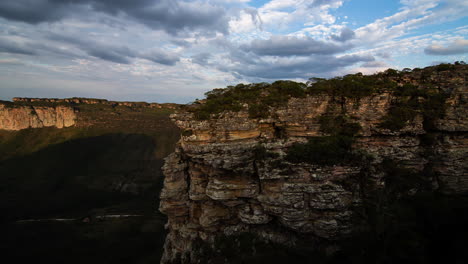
261,172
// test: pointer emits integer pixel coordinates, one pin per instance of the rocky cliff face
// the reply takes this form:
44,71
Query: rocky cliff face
21,117
230,174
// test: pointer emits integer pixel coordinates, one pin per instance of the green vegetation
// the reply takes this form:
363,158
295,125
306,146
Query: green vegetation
338,125
410,101
49,172
353,86
328,150
187,133
111,164
261,153
37,103
259,97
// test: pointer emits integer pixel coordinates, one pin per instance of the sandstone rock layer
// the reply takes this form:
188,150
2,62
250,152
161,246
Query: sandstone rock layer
22,117
215,184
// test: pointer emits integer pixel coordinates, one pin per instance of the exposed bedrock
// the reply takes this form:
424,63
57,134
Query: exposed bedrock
216,183
21,117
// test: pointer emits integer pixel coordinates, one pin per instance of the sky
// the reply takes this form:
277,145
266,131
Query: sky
176,50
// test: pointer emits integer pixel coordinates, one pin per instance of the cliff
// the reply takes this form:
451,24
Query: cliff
303,170
25,113
21,117
77,159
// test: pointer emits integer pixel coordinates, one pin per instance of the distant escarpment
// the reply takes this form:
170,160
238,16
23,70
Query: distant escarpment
81,100
81,157
312,165
25,113
17,117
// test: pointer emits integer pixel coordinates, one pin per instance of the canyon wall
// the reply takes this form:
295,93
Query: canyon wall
22,117
229,174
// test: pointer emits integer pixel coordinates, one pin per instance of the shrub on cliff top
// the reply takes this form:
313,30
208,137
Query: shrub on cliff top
353,86
328,150
261,96
410,101
258,96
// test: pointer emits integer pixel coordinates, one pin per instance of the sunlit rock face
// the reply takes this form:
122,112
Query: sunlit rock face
22,117
216,184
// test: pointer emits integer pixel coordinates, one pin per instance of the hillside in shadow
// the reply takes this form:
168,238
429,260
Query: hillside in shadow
111,173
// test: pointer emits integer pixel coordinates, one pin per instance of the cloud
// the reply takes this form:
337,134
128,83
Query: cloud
108,54
161,57
292,46
414,14
374,64
279,14
257,67
306,68
8,46
345,35
201,58
116,53
459,46
189,46
34,11
172,16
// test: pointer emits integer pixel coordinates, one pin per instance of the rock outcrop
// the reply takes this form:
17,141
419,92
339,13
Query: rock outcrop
229,174
22,117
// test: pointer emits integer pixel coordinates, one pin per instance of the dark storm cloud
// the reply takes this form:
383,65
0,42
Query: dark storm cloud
290,46
286,68
345,35
115,53
8,46
168,15
457,47
33,11
32,47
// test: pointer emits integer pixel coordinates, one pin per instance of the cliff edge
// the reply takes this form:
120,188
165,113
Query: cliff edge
17,117
307,166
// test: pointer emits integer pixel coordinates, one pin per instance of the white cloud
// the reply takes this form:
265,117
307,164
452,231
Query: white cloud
279,14
118,55
458,46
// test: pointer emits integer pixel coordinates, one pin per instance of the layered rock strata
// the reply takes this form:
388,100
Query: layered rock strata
22,117
216,183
